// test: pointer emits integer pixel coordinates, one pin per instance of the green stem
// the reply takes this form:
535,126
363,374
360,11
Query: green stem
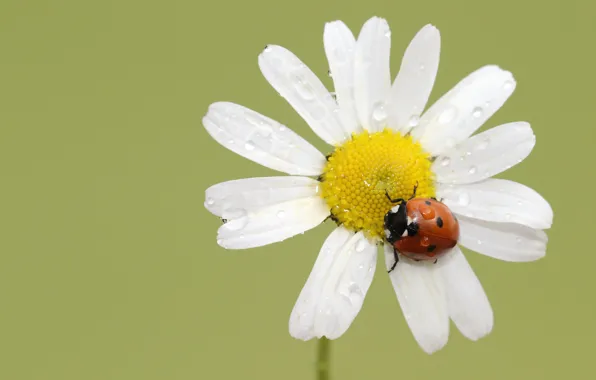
323,359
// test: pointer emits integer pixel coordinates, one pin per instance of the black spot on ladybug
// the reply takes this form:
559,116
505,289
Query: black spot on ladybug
427,202
431,248
439,222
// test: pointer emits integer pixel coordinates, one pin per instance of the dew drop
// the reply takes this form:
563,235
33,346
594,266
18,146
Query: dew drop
388,33
379,113
508,85
463,199
422,67
508,216
360,245
231,141
249,146
282,128
241,236
303,89
219,241
210,201
472,170
518,240
414,121
445,161
281,214
520,203
479,242
267,49
477,112
448,115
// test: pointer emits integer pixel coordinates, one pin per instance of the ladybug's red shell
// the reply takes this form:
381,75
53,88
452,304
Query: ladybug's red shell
438,230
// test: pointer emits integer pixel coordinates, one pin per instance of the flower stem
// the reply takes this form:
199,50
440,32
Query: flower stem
323,359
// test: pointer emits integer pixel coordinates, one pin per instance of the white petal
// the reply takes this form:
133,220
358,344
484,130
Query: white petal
415,80
262,140
422,300
252,194
503,241
340,47
372,79
485,154
246,228
304,91
336,287
461,111
467,303
498,200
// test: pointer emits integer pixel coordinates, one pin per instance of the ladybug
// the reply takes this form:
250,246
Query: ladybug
420,228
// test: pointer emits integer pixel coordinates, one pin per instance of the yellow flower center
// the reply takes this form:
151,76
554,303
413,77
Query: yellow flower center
363,169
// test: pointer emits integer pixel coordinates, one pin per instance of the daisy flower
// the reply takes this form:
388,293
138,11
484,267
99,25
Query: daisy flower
381,143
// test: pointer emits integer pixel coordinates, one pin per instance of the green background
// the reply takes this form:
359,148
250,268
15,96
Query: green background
109,267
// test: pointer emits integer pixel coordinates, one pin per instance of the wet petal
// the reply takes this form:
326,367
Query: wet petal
463,109
335,290
415,80
304,91
467,303
246,228
422,300
485,154
340,47
503,241
262,140
372,79
498,200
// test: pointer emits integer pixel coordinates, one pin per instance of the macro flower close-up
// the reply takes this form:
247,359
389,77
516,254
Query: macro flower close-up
385,144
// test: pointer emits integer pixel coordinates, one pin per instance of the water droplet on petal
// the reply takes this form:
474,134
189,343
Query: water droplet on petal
282,128
422,67
219,241
448,115
388,33
267,49
472,170
508,216
231,141
360,245
249,146
520,203
281,214
464,199
508,85
518,240
414,121
210,201
379,113
477,112
445,161
303,89
479,242
241,236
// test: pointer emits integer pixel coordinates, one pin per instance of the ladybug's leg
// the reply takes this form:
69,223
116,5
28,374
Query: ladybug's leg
414,192
396,257
396,200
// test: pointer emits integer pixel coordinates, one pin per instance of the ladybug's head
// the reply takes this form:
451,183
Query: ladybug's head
396,223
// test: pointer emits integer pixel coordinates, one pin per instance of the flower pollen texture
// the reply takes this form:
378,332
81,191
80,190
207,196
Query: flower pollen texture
360,173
